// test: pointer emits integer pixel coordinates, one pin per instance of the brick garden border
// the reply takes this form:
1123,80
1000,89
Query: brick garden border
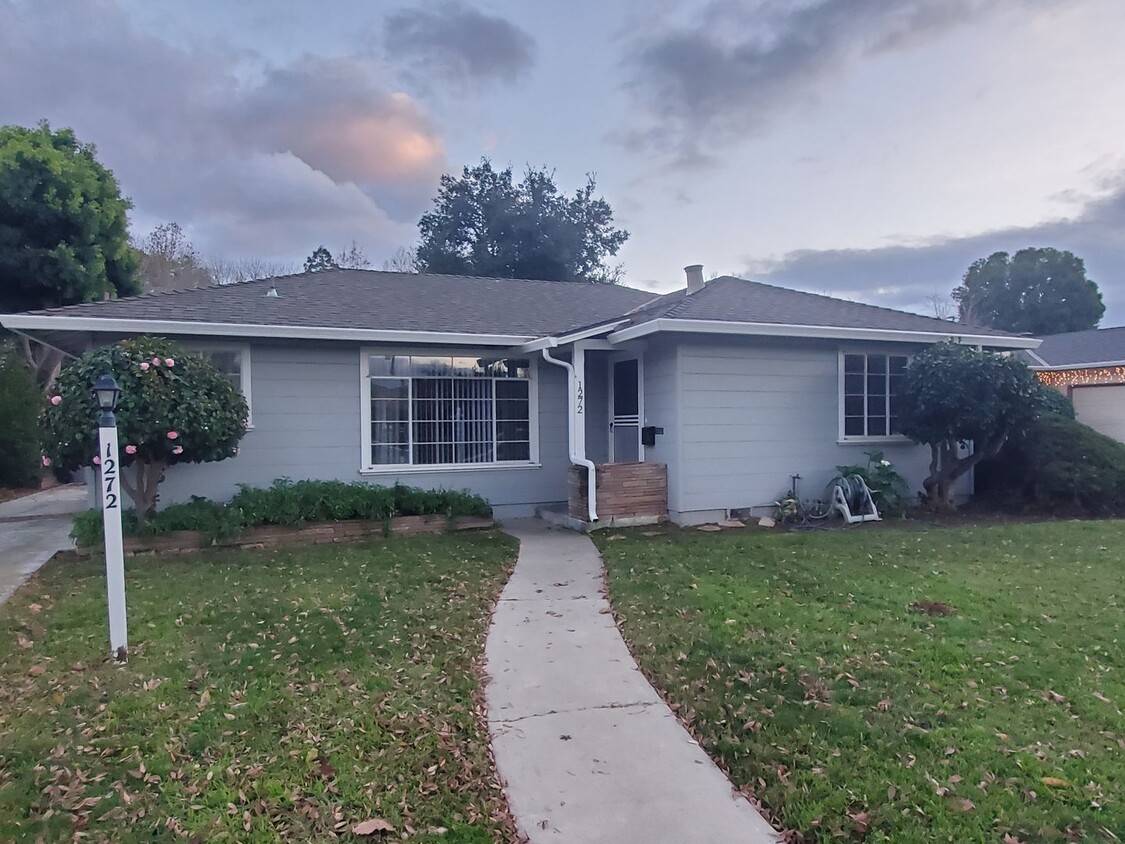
273,536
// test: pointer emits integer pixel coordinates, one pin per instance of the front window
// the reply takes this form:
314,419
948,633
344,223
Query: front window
435,410
870,399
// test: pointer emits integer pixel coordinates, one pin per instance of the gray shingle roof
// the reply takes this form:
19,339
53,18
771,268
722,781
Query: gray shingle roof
730,299
368,299
388,301
1082,348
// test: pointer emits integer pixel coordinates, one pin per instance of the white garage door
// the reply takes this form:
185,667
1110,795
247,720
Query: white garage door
1102,408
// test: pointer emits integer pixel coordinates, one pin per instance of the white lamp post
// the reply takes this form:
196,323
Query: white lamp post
107,393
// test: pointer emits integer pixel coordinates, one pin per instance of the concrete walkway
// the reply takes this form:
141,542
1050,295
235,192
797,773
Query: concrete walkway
32,530
588,751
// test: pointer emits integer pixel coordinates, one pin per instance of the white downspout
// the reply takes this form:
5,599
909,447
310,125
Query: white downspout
571,430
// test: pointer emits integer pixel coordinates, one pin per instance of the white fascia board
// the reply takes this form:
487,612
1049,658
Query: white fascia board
764,329
244,330
562,339
1068,366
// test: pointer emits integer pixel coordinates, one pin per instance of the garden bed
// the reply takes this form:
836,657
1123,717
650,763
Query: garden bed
274,536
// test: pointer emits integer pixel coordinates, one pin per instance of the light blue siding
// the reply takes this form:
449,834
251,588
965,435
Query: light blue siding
662,409
307,424
754,412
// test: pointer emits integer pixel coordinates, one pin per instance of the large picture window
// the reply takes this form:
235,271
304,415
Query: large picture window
436,410
870,394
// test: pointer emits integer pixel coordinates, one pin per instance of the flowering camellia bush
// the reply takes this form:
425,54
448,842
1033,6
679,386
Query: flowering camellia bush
175,407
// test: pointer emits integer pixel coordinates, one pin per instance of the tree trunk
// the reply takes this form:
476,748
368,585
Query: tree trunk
946,468
43,361
144,486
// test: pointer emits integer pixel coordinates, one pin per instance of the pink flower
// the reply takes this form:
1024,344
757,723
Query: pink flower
144,366
130,449
156,361
172,435
178,450
46,460
169,361
56,400
97,461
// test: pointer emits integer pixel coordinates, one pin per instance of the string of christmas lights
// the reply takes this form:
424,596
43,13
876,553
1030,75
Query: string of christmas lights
1078,377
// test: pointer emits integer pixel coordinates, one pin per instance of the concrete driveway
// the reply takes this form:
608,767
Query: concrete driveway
32,530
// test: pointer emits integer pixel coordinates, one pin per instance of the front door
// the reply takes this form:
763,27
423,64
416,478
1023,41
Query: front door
625,411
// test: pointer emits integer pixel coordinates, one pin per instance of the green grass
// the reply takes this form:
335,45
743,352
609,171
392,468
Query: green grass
797,661
269,696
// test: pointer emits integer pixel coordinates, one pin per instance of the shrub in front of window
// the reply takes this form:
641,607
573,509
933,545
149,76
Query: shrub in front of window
20,396
953,396
175,407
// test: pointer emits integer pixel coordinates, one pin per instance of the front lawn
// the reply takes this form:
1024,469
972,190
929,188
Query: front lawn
991,711
269,696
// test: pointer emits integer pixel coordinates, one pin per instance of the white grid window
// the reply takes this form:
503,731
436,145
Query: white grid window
434,410
870,394
233,360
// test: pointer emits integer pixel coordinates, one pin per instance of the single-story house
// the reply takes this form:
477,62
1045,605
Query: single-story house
1089,368
538,393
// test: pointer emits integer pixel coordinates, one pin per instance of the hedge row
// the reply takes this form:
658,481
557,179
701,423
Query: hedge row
289,503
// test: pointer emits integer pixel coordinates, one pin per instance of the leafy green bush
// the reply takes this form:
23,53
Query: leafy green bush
1060,467
888,488
20,399
175,407
288,503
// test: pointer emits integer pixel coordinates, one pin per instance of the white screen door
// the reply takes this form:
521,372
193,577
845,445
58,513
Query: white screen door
625,411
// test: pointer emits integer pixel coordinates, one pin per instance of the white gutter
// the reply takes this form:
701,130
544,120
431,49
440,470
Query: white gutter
766,329
571,430
563,339
1068,366
243,330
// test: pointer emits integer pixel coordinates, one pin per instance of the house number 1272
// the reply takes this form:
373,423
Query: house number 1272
109,478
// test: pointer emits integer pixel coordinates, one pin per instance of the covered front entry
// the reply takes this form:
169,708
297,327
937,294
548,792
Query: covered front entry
626,410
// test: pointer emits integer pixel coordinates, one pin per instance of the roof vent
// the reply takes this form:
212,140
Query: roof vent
694,273
272,293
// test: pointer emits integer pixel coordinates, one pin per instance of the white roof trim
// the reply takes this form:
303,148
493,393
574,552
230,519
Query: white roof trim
573,336
245,330
1064,367
765,329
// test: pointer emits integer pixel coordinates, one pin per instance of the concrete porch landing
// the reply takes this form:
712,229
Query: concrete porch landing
588,751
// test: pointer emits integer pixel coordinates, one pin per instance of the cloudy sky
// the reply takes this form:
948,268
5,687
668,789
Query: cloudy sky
866,148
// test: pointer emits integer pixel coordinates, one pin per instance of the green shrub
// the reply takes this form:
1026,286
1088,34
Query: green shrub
888,488
20,399
289,503
1061,467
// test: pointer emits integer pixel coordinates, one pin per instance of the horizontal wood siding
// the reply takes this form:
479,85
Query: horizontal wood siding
756,412
663,409
307,426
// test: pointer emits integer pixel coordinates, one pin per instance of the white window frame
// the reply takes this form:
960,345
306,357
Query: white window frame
845,439
366,467
243,350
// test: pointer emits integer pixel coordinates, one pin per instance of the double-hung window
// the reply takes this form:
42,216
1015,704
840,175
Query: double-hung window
233,361
438,410
870,389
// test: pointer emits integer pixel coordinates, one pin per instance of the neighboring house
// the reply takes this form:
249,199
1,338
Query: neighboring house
501,386
1089,367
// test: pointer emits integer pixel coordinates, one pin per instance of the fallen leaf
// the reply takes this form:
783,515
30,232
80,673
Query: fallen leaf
35,607
36,670
372,826
23,641
1054,782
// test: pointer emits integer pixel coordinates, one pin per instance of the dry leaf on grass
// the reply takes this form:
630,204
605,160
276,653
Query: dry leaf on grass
372,826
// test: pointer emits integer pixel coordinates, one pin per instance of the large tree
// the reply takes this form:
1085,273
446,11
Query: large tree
965,405
63,229
320,260
170,262
484,223
1035,291
63,222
